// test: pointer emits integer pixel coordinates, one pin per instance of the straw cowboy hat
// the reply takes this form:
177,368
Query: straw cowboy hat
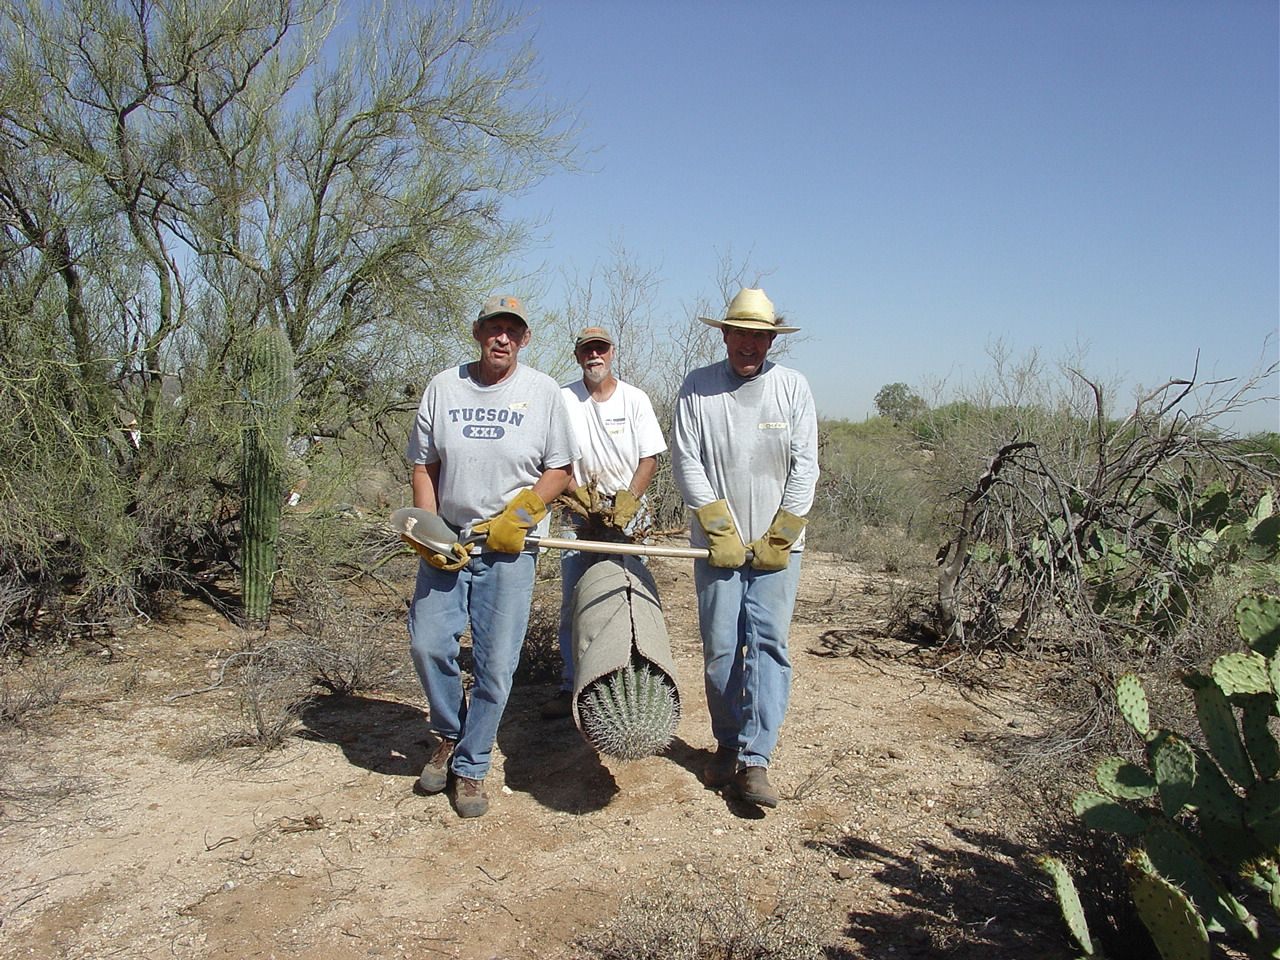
750,309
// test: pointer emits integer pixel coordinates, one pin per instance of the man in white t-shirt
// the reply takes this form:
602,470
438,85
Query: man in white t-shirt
619,440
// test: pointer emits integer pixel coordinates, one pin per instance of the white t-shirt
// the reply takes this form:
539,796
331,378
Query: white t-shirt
612,436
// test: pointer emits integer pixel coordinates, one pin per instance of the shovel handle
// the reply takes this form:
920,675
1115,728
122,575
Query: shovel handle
626,549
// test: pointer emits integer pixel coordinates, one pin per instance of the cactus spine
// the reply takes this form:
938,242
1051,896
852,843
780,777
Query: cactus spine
266,430
630,713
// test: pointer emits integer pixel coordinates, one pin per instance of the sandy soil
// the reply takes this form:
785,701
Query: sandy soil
118,839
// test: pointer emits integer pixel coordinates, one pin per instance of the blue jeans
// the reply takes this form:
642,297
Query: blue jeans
744,616
493,593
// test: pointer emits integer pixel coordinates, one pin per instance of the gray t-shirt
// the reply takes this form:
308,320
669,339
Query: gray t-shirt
751,442
491,441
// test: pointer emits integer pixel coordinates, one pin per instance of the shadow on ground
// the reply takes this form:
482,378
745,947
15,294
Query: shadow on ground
962,904
549,759
377,735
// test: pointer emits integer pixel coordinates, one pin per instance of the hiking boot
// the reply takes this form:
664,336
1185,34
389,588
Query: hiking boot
752,785
559,706
720,767
469,798
435,775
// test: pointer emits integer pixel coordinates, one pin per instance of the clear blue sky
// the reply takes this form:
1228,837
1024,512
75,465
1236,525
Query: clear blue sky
923,178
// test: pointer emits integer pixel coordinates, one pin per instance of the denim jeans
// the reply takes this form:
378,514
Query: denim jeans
744,616
493,593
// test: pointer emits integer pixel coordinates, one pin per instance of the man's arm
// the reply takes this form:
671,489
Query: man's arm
643,476
802,477
553,482
425,481
686,453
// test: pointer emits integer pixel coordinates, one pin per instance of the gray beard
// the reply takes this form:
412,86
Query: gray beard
595,375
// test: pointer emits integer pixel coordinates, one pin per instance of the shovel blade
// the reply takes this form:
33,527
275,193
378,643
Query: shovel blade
424,527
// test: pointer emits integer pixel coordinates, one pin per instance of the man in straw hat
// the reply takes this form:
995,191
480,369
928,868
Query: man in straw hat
744,452
491,447
619,441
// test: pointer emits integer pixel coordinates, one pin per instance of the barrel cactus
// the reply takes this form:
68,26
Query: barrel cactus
630,713
268,421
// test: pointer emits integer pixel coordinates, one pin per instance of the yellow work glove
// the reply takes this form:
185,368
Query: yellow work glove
455,561
506,532
625,507
723,542
773,550
582,496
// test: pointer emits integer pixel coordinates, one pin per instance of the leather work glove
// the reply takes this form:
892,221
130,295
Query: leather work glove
773,550
625,507
506,532
459,555
582,495
726,547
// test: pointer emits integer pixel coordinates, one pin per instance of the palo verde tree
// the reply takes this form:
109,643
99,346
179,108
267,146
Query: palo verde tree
174,177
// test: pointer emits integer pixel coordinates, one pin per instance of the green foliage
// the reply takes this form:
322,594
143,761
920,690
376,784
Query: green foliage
631,713
1194,533
266,432
897,402
1201,820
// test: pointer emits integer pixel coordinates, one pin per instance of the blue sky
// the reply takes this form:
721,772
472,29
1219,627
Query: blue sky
921,179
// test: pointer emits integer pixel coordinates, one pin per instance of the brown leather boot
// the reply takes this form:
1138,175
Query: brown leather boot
720,767
752,785
435,775
469,797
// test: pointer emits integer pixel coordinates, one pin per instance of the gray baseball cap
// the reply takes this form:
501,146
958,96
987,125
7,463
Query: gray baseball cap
498,305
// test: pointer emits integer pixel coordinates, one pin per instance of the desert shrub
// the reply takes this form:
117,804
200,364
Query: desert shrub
711,921
540,655
869,492
1115,525
343,646
29,689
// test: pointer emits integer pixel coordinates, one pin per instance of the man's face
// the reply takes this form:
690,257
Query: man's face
500,340
747,349
596,359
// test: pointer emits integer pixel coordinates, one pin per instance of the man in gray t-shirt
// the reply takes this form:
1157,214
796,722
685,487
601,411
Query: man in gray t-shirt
744,455
491,447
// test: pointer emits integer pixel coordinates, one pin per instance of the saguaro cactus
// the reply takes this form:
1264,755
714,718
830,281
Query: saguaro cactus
266,430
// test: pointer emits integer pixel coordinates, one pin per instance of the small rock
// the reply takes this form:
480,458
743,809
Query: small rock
845,872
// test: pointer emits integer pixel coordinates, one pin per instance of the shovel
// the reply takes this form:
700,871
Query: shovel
426,528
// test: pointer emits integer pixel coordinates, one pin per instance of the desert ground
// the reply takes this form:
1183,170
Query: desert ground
123,833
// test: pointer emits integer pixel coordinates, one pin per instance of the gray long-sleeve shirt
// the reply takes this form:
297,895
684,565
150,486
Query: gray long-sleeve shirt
751,442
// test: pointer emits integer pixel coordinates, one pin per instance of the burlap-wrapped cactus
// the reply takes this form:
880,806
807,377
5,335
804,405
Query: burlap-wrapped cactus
625,699
268,422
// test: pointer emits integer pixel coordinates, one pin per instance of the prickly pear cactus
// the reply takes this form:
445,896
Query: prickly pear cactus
267,425
630,713
1170,918
1132,701
1069,902
1201,819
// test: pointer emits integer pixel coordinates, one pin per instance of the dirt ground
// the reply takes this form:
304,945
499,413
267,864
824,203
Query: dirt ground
894,838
